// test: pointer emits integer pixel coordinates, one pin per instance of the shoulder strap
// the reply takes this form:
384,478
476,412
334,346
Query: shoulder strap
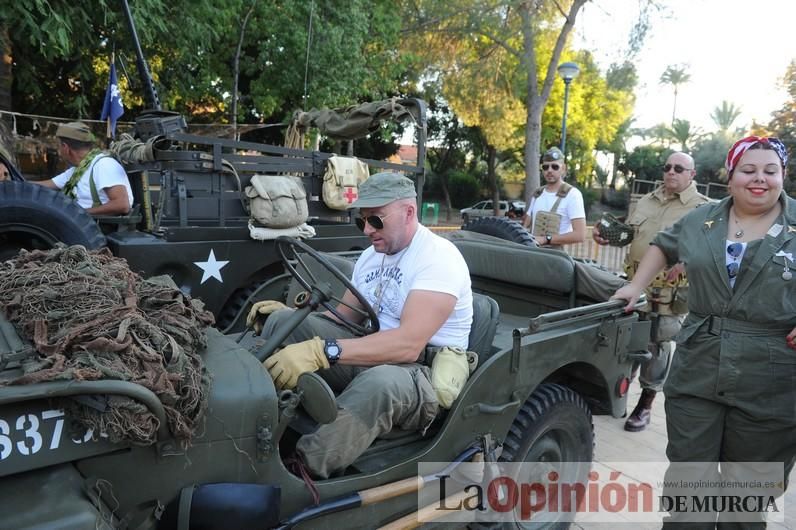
564,189
95,200
562,192
538,192
70,187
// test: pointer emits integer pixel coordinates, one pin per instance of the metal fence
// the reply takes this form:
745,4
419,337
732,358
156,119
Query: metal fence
612,258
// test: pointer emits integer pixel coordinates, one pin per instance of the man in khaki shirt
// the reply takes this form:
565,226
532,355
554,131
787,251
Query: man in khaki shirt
654,212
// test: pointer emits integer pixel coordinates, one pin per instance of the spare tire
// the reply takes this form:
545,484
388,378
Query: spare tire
35,217
503,228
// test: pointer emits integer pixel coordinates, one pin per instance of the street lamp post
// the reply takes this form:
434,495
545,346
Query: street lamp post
568,72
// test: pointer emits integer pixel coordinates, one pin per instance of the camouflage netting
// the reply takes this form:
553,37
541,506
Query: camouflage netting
91,318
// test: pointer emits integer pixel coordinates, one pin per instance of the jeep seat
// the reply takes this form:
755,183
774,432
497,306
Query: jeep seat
482,330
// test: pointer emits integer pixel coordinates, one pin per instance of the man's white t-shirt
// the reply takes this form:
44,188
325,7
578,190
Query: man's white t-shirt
429,263
570,207
107,173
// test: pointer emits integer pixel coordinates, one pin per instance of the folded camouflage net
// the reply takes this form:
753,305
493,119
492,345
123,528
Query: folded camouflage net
91,318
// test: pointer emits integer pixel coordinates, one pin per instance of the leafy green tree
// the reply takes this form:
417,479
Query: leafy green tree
675,75
724,116
60,53
682,132
503,53
709,154
783,122
645,162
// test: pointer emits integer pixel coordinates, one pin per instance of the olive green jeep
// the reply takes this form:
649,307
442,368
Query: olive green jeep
551,354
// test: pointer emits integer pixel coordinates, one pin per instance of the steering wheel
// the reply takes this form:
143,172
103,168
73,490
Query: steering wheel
289,251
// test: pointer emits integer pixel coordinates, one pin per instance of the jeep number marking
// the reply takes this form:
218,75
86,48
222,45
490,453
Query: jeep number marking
27,426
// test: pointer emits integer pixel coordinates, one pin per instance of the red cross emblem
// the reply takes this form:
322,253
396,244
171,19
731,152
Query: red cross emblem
350,194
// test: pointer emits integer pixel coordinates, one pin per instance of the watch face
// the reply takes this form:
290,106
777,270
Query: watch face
332,350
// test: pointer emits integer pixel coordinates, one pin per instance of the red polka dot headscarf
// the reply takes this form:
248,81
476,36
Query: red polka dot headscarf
741,146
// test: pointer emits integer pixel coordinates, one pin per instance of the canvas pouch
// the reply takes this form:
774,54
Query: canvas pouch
277,201
341,181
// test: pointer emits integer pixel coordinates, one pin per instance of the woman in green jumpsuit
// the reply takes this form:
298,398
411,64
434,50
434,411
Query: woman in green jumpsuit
731,393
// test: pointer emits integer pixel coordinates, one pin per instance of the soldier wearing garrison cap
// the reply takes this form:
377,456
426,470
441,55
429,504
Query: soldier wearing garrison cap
556,215
419,286
95,179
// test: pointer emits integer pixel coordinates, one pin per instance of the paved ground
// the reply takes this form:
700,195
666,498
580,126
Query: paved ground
614,444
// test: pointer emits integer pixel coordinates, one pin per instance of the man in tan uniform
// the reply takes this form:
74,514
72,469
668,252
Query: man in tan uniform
666,295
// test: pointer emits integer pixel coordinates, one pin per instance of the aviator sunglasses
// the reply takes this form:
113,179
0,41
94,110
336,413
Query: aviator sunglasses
677,168
734,250
555,167
376,221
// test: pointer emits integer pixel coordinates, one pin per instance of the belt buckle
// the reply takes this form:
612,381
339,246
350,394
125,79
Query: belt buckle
714,325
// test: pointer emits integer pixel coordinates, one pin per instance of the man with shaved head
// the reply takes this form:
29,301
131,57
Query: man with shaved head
666,295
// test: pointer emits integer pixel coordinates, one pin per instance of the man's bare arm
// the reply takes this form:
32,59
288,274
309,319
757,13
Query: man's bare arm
578,234
118,202
46,183
423,315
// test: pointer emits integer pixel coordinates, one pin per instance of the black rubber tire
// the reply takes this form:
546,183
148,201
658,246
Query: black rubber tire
503,228
235,304
553,425
35,217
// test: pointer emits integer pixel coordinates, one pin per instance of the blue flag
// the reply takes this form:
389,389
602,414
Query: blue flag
112,108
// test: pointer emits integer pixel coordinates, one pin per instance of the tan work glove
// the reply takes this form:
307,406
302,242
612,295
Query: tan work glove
286,365
449,372
264,308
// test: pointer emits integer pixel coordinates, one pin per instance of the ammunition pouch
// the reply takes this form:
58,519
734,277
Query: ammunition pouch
277,201
549,222
617,233
546,223
341,181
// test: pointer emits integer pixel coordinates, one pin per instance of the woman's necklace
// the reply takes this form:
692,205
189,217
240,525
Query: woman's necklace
739,233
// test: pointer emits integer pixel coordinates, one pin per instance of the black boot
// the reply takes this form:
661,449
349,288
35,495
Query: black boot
640,417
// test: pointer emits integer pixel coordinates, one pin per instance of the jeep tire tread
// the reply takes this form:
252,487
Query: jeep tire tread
553,425
35,217
501,227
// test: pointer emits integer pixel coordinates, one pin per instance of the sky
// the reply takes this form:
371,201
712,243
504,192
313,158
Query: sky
733,49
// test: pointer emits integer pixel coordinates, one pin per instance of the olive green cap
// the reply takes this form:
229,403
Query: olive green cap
384,188
553,154
75,130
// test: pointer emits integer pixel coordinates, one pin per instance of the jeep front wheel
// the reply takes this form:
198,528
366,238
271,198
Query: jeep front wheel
34,217
554,431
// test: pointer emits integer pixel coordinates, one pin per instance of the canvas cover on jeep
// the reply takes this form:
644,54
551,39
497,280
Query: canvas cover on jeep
356,121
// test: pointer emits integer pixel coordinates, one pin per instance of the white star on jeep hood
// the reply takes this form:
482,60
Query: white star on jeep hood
211,268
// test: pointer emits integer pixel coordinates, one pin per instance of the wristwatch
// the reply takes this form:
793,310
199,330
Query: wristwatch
549,238
332,351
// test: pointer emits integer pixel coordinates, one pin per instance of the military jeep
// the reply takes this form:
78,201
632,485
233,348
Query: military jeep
190,218
550,356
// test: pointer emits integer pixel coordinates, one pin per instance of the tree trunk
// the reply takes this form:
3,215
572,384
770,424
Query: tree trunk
491,176
6,72
236,71
535,99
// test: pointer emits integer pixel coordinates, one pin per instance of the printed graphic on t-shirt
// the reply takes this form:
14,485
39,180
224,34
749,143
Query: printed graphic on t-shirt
383,289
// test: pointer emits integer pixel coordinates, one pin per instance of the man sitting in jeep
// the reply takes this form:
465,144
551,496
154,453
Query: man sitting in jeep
96,180
419,286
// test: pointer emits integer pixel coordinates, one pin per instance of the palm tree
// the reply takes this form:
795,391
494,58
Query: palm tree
724,116
682,133
675,75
